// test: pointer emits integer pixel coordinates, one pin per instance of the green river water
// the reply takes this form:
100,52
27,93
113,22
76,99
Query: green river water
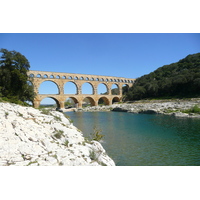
144,139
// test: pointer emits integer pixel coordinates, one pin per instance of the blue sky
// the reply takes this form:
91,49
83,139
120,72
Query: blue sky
129,55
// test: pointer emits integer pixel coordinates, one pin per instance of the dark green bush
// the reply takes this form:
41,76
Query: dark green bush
194,109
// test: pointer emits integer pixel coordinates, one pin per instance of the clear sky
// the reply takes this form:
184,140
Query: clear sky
129,55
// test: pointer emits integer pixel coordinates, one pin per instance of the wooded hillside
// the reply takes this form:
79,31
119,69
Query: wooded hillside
177,80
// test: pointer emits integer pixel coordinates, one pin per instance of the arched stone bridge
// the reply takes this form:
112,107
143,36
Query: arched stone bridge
60,79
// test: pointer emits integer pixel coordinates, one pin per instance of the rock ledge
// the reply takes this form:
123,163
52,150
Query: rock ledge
28,137
174,108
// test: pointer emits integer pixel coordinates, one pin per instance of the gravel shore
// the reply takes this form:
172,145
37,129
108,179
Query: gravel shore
167,107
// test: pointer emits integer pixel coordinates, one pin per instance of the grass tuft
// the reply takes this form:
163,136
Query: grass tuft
194,109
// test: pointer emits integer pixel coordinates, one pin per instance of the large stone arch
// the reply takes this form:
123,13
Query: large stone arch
92,101
77,101
74,83
74,99
115,99
49,80
105,99
92,87
106,86
55,99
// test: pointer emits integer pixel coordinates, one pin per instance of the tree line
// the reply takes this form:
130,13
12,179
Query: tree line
14,85
177,80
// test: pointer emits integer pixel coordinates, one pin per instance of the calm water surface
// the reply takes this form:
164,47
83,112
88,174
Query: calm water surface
144,139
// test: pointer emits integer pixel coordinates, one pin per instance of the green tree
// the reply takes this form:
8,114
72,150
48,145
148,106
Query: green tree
125,89
13,77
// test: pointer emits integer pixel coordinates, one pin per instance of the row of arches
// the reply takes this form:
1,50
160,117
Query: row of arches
45,76
59,86
50,87
73,102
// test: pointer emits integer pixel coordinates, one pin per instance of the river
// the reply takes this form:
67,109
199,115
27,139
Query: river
144,139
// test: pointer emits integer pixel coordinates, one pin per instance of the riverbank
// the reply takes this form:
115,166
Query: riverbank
32,137
176,107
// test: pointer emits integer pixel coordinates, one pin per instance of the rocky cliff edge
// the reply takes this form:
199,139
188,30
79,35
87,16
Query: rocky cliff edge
30,137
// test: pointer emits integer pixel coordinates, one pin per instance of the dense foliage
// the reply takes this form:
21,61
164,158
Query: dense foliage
177,80
14,85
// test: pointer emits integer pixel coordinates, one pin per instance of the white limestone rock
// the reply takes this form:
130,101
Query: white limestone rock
180,114
28,137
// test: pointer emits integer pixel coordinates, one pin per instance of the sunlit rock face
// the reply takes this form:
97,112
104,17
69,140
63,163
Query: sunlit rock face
30,137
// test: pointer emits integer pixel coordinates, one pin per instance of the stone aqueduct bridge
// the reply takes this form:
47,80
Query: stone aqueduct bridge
38,77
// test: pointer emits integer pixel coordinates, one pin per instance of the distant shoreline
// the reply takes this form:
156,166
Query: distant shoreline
175,107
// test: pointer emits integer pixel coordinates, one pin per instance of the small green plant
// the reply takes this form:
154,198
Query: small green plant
194,109
55,156
58,134
171,111
45,111
96,135
32,162
6,114
57,118
66,143
93,155
20,114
